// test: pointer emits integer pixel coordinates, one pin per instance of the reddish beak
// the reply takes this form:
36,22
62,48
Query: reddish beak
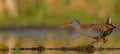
66,25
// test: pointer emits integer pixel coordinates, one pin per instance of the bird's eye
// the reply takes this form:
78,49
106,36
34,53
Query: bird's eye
71,22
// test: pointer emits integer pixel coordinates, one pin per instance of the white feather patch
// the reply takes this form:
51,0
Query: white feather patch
109,20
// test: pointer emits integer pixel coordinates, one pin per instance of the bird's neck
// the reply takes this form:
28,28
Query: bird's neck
77,27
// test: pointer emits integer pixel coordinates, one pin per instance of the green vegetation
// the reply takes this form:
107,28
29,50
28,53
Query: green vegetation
56,13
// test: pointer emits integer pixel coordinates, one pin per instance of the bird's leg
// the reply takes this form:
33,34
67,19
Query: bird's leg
104,41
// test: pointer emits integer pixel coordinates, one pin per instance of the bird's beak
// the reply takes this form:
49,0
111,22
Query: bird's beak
66,25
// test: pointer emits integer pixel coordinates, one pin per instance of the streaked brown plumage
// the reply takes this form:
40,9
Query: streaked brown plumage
95,31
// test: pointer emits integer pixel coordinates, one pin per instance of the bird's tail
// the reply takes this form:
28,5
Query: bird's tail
109,22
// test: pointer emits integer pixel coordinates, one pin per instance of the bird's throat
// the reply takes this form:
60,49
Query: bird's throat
77,27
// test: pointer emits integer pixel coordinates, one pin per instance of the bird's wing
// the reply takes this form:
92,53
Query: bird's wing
103,27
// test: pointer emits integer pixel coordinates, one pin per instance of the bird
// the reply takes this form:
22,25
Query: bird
96,31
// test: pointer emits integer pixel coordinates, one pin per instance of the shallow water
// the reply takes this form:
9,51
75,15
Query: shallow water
54,38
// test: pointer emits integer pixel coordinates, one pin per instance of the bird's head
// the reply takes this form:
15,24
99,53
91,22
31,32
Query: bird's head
71,23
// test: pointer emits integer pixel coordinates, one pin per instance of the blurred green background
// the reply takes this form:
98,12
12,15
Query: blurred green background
56,12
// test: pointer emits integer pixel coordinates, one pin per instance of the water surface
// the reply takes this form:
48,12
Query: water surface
54,38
